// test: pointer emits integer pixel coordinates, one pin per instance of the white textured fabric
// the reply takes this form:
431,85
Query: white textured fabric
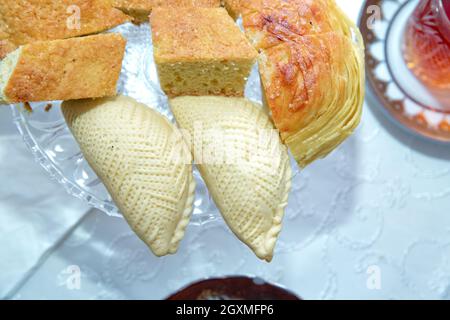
35,213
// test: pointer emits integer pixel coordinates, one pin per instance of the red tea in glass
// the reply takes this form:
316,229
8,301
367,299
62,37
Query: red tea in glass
427,43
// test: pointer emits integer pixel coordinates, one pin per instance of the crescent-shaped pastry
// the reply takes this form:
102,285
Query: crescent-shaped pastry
312,69
144,163
249,176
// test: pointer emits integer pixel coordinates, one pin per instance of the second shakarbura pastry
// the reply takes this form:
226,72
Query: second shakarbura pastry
243,162
144,163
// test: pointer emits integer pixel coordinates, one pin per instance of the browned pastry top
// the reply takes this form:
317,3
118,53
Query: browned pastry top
311,68
76,68
302,75
25,21
189,34
148,5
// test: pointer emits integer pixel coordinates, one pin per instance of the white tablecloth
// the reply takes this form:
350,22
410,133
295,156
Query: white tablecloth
372,222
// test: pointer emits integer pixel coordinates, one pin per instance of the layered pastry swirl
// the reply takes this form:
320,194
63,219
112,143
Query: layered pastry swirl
312,70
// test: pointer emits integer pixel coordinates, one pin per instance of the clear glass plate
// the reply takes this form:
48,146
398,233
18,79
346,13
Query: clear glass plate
49,139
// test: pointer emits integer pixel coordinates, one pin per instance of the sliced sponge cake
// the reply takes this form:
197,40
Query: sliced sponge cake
200,51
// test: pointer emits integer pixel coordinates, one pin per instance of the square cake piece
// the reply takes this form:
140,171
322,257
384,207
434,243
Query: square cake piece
77,68
140,9
200,51
26,21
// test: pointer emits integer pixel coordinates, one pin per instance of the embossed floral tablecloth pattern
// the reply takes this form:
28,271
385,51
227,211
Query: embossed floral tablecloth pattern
371,221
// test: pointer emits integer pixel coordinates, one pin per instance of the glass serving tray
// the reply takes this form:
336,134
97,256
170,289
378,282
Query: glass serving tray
46,134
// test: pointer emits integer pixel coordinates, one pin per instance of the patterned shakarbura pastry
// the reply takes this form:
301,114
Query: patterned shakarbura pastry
312,70
243,162
26,21
144,163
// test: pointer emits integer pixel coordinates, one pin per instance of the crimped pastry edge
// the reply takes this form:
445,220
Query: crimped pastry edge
277,220
274,232
189,204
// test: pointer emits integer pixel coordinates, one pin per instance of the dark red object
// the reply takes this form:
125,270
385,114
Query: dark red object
447,7
234,288
427,43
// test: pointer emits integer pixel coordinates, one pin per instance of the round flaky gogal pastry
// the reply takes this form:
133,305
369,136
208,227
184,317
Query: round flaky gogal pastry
315,90
271,22
243,162
144,163
312,70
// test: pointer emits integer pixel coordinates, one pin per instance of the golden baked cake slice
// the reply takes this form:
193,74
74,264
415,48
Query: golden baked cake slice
271,22
77,68
144,163
26,21
243,162
200,51
140,9
315,90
